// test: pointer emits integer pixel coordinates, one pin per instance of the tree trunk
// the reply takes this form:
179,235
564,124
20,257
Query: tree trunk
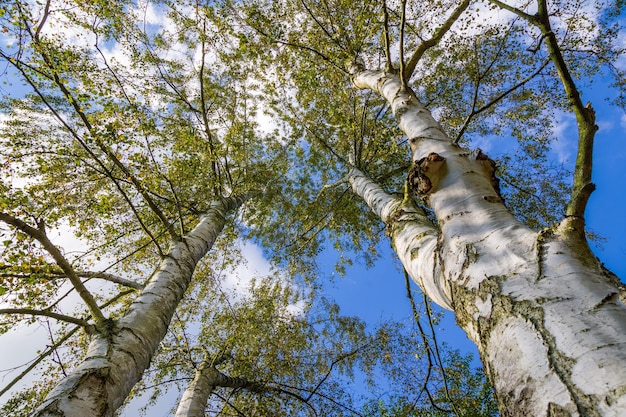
115,362
194,399
206,379
549,321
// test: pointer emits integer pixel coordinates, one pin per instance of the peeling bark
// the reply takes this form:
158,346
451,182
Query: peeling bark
115,362
549,321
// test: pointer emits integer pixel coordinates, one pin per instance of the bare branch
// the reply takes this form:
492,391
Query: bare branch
46,313
496,99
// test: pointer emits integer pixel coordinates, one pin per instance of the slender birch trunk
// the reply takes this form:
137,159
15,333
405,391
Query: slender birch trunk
194,399
206,379
549,321
115,362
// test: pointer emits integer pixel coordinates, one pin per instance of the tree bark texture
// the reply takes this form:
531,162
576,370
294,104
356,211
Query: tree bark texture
194,399
114,363
207,377
549,321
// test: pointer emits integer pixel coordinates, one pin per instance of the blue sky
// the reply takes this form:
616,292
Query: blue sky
378,294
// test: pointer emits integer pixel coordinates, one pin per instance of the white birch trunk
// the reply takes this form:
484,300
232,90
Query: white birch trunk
206,379
115,363
194,399
548,320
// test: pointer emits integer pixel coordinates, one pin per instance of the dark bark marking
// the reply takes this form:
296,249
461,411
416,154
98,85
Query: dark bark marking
555,410
420,183
392,220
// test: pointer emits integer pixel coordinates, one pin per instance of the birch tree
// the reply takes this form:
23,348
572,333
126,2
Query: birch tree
270,352
131,151
547,317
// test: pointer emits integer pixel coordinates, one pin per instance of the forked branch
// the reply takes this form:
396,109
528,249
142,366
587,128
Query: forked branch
585,115
409,68
39,234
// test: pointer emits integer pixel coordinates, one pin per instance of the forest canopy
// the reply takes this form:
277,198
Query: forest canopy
146,147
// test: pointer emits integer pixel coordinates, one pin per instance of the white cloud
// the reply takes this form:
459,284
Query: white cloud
564,145
18,347
253,265
605,125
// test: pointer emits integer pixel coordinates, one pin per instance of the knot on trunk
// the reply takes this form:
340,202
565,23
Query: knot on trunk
420,178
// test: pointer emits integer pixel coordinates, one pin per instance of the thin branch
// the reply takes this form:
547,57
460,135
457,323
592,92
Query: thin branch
39,359
303,47
299,398
46,13
39,234
437,355
110,154
230,404
82,274
403,78
56,357
54,347
326,397
429,43
423,335
328,34
205,120
340,358
388,65
111,278
18,65
45,313
496,99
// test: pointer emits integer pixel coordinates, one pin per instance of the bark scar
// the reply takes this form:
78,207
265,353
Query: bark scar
419,182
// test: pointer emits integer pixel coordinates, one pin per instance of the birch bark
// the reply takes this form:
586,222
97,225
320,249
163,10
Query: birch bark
206,379
115,362
549,321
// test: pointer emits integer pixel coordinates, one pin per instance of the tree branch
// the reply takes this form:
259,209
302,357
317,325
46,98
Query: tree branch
52,348
18,65
46,313
585,115
82,274
496,99
403,78
40,235
516,11
388,64
429,43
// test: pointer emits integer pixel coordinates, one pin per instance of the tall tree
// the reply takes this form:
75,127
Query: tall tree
144,155
269,352
547,317
142,139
